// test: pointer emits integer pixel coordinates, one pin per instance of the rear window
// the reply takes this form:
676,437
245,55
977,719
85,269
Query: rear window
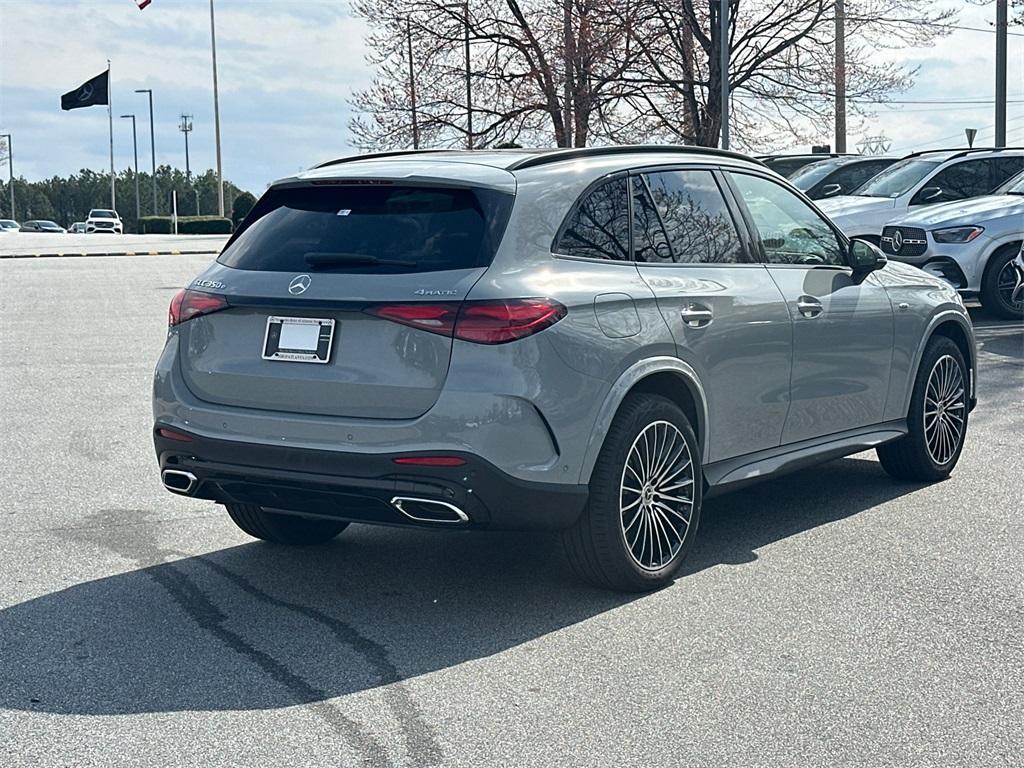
370,229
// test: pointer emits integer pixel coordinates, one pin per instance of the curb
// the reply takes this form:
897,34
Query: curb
104,253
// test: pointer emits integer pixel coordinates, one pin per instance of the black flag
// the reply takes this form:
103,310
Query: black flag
89,93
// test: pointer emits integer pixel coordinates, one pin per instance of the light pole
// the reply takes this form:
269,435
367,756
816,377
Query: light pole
152,143
1001,30
216,115
10,168
723,67
840,65
135,146
412,86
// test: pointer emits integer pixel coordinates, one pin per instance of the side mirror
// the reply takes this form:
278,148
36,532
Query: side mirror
831,189
929,194
865,257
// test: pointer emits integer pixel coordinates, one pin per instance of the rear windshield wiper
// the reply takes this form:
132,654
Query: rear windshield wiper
326,259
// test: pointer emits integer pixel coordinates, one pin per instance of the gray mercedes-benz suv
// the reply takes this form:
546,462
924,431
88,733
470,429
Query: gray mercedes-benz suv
588,340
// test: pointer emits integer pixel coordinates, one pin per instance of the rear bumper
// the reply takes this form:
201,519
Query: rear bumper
362,487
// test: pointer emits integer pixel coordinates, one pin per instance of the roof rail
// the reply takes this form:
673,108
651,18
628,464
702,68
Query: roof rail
376,155
557,155
959,151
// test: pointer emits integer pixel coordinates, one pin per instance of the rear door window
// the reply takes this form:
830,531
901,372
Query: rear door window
599,227
695,217
363,229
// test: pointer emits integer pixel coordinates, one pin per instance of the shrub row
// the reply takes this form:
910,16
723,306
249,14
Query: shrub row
187,225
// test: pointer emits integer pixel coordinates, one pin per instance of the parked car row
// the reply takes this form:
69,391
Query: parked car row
958,214
100,220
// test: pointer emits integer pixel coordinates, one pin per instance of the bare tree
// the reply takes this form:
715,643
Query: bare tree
541,70
572,72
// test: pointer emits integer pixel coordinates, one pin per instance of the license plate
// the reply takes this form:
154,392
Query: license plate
298,339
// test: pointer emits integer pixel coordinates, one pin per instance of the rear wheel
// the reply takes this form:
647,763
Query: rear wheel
937,421
645,499
1002,287
283,529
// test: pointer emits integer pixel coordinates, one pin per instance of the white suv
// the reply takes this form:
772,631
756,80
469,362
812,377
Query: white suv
103,220
972,244
920,179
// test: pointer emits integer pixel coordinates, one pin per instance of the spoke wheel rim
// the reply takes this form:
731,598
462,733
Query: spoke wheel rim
656,496
945,410
1010,285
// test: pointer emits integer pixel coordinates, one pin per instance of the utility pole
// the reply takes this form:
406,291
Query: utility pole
1001,30
152,143
723,67
840,12
216,115
10,168
135,171
469,82
412,86
185,126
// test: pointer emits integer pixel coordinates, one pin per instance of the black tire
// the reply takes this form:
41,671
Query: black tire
991,298
909,457
283,529
596,544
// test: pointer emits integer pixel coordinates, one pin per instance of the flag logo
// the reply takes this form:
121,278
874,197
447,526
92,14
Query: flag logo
90,93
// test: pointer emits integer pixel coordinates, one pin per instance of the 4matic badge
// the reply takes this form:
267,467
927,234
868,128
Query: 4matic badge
428,292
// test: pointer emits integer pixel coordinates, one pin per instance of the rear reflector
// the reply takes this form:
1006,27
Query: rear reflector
482,322
170,434
430,461
188,304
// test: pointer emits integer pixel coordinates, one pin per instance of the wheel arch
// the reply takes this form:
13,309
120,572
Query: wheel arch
953,326
1011,246
668,377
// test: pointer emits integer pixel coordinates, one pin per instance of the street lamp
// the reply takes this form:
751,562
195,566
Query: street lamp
10,168
152,142
135,146
216,115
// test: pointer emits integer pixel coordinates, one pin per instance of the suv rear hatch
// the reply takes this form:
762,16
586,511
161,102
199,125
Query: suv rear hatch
377,262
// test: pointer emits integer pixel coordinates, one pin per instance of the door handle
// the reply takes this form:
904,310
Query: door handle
809,306
696,315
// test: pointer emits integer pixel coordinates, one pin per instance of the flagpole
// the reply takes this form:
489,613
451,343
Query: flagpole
110,119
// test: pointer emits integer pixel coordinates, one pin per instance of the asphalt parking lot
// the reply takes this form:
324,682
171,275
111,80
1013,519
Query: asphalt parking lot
832,617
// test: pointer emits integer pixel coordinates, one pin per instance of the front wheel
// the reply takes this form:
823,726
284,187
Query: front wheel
645,499
937,422
283,529
1002,287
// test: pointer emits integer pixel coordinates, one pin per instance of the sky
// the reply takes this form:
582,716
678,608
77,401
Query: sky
287,68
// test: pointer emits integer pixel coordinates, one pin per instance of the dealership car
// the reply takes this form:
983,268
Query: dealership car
103,220
921,179
584,339
9,225
78,228
41,225
972,244
838,175
787,165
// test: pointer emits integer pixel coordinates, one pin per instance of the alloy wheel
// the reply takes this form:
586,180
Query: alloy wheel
656,495
945,409
1010,284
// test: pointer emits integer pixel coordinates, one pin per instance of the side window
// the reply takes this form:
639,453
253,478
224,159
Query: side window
791,232
599,227
650,244
696,218
967,179
855,174
1005,167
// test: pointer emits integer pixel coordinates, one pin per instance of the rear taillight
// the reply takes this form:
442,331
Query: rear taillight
482,322
187,304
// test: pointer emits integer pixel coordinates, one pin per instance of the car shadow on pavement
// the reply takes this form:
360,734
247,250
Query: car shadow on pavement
260,627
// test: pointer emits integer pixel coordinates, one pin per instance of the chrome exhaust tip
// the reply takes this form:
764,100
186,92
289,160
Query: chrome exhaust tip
429,510
179,481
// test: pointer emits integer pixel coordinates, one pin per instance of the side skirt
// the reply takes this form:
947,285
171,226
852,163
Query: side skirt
728,474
